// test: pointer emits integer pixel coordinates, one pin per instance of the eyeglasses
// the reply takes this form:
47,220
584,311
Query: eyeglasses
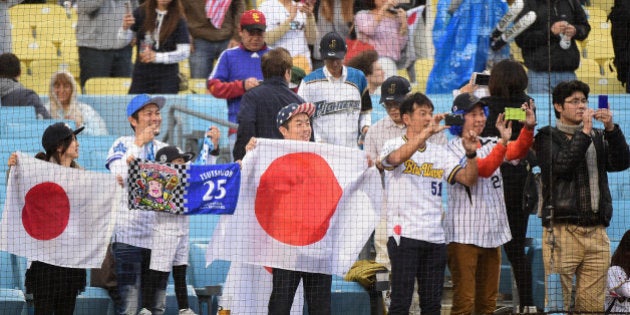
577,101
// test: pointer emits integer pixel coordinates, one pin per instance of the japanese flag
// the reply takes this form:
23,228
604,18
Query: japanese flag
303,206
247,290
58,215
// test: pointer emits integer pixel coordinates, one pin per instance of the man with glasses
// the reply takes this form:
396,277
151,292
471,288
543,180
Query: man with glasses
239,68
393,92
574,159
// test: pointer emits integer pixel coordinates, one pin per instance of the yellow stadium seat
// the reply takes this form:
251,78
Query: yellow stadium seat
516,52
602,4
38,76
117,86
600,81
36,13
198,86
423,68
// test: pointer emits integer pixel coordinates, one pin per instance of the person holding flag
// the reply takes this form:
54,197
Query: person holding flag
133,231
294,123
55,288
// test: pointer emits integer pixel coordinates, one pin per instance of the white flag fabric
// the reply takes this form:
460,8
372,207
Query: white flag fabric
247,289
303,206
58,215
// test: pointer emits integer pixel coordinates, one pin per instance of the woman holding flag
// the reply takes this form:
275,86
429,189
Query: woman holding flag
55,288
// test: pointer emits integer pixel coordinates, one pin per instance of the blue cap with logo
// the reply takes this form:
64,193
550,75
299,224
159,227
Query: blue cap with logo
143,100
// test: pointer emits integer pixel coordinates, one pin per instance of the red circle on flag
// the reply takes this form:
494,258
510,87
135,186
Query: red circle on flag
46,211
296,198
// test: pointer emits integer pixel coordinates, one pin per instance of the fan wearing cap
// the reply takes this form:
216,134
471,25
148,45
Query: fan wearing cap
341,95
393,92
474,241
169,245
260,106
416,172
55,288
133,230
239,68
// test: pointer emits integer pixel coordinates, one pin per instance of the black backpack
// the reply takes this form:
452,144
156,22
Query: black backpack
619,18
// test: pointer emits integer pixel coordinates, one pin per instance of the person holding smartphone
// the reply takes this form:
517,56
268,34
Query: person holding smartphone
507,85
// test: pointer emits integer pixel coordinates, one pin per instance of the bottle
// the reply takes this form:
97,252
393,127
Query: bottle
565,41
147,43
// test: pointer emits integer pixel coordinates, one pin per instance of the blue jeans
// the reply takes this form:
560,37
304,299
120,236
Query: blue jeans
104,63
202,58
544,82
132,266
411,260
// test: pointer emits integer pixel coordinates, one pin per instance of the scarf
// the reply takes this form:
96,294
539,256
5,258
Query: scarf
591,163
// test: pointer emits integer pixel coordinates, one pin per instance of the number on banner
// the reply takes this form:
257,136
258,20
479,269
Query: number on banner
209,195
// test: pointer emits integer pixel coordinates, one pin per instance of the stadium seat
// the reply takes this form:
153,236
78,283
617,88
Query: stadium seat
598,44
423,68
16,113
202,277
208,105
29,129
198,86
94,301
105,86
348,298
12,299
93,151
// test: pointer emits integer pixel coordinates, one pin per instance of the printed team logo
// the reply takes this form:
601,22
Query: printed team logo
154,188
256,17
333,44
392,88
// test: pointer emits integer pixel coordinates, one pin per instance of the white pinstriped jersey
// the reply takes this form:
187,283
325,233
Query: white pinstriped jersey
479,217
414,191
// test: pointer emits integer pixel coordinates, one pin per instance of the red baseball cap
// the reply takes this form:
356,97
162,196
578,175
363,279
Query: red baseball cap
253,20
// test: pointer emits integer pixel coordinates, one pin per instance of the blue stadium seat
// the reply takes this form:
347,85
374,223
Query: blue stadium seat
29,129
12,299
201,277
202,227
93,151
208,105
94,301
348,298
16,114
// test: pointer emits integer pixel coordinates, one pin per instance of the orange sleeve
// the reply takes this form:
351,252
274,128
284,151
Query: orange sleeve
487,165
518,149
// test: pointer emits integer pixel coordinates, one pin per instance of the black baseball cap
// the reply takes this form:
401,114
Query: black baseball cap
170,153
56,133
394,89
332,46
465,102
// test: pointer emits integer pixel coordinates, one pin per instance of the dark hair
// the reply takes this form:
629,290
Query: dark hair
370,4
276,62
175,13
508,78
565,89
364,61
53,155
9,66
413,101
621,257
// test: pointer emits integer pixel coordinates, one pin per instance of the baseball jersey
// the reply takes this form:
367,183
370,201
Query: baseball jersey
133,227
342,110
414,190
476,215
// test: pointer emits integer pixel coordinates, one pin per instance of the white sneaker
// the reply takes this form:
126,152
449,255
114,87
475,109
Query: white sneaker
186,312
144,311
529,310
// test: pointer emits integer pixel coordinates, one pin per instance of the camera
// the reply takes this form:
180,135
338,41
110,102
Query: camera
454,119
481,78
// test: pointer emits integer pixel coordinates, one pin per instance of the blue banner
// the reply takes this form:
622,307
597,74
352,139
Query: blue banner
212,189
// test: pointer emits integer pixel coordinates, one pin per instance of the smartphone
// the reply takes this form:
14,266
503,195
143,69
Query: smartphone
481,78
602,101
454,119
512,113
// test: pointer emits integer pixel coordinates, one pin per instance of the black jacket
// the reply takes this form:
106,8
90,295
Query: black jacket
534,42
259,108
13,93
496,105
565,173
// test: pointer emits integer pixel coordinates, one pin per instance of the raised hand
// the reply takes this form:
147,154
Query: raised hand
530,114
505,128
470,142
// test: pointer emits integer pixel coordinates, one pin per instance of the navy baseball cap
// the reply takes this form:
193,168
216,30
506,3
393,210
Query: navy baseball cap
143,100
56,133
395,88
332,46
465,102
293,109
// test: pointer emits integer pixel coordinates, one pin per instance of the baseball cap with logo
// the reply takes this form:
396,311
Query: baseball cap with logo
170,153
332,46
253,20
143,100
465,102
293,109
395,89
56,133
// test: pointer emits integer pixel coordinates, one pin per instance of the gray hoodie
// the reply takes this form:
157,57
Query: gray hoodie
13,93
99,22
